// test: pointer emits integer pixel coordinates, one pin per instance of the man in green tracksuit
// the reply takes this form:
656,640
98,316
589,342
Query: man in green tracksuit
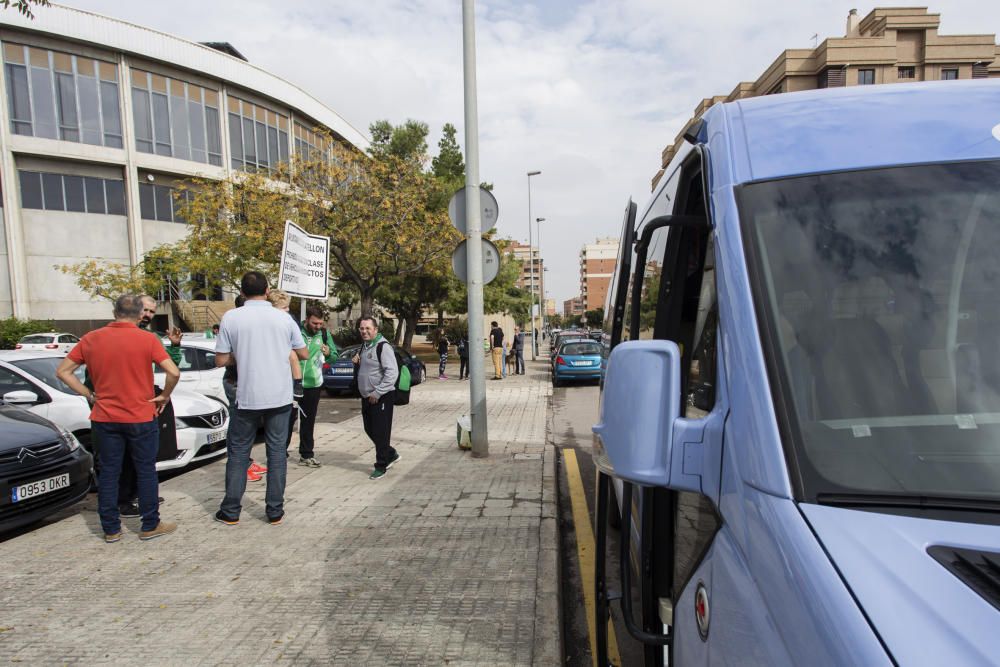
321,350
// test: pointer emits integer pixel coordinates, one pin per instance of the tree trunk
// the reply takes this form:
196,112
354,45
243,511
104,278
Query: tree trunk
411,327
440,318
367,303
399,331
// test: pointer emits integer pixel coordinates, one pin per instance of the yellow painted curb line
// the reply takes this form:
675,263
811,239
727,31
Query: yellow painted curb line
586,553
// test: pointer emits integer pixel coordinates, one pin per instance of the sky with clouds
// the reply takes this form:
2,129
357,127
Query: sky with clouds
589,92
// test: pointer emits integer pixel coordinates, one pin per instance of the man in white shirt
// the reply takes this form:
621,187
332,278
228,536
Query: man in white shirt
258,338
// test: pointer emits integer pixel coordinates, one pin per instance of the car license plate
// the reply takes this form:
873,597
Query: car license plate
581,363
42,486
216,436
343,371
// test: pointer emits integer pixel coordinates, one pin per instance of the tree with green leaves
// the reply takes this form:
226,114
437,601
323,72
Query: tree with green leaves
23,6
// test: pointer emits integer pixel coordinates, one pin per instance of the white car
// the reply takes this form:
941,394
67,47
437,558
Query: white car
50,342
197,366
29,379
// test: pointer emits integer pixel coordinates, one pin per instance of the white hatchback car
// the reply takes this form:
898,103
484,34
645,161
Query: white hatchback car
197,366
29,379
50,342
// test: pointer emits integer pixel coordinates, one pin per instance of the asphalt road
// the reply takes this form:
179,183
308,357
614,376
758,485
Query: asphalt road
574,409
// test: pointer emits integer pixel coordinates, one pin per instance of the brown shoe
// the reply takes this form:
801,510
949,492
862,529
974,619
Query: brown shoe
110,538
162,528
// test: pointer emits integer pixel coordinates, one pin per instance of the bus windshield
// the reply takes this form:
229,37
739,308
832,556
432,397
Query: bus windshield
881,294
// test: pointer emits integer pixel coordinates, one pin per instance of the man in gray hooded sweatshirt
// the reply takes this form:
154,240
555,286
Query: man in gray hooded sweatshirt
377,373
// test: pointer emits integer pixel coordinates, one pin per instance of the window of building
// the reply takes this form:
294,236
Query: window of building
57,95
311,145
949,74
906,72
160,202
866,77
68,192
980,70
176,118
258,137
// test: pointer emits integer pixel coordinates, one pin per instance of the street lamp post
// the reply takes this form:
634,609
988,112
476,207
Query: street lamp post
531,269
541,274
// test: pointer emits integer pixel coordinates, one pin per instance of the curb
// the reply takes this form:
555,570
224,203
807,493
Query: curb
548,640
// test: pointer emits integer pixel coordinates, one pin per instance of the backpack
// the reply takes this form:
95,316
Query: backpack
402,379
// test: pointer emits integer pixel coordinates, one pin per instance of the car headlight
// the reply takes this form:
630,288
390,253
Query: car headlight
69,440
178,424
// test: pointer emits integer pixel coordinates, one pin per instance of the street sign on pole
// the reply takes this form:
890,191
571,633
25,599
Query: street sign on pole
305,263
491,261
488,203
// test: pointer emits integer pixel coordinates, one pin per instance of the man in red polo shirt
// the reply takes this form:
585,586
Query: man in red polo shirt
119,359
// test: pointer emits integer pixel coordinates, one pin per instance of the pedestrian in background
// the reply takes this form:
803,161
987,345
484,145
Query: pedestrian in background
442,348
377,373
280,300
259,338
518,346
321,350
496,350
463,357
119,359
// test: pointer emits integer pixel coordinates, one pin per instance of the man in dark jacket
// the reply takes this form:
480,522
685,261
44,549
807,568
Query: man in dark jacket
518,347
442,348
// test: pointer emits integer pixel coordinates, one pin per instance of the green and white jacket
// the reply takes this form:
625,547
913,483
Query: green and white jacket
312,368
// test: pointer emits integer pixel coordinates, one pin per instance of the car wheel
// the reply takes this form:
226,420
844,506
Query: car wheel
423,374
555,381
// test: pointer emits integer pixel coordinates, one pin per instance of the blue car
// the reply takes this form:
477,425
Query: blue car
338,377
576,360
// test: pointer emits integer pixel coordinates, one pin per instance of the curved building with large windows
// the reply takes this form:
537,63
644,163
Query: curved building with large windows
101,118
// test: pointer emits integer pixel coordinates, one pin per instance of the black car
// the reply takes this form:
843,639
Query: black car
338,376
42,468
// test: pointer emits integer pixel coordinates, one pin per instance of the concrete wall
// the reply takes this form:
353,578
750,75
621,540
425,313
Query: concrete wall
54,238
6,307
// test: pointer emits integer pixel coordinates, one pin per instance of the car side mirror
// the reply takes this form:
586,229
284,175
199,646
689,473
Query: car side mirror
20,397
634,435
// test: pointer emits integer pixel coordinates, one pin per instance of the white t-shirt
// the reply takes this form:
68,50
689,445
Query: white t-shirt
260,337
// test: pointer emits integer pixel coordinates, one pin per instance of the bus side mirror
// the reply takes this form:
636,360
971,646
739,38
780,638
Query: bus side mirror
640,402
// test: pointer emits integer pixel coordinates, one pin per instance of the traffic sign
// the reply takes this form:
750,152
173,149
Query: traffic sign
491,262
488,204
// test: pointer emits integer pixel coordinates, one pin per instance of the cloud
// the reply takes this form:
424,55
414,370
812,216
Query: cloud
589,91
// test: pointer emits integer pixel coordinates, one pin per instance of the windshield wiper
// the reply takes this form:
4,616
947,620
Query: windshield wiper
908,501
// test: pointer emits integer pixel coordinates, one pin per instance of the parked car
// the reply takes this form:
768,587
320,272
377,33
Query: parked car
52,342
563,338
577,360
43,468
338,377
800,435
198,371
29,380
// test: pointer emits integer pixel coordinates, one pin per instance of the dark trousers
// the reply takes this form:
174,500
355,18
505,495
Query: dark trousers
463,367
141,441
309,403
377,418
519,356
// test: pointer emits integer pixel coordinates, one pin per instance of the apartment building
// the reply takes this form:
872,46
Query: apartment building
597,264
889,45
531,262
573,307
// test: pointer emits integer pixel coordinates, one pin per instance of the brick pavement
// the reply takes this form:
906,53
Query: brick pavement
448,560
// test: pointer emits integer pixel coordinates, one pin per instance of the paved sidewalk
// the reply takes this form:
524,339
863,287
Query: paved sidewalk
447,560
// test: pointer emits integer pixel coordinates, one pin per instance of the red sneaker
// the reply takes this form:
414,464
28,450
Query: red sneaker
253,476
257,468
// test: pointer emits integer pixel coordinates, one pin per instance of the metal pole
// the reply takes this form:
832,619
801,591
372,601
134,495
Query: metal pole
541,274
474,235
531,271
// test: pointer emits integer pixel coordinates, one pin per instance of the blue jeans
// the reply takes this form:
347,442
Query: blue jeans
143,441
242,429
520,360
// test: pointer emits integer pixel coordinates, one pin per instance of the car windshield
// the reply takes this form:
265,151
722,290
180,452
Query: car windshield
45,371
37,340
581,349
881,290
348,352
